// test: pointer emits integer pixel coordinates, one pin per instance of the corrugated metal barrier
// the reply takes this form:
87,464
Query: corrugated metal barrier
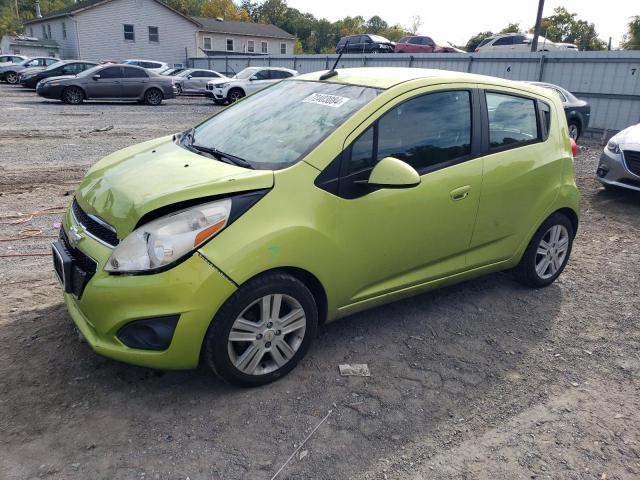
609,81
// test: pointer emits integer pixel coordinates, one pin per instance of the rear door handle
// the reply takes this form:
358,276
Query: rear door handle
460,193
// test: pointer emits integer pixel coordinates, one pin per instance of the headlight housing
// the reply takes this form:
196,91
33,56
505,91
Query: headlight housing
167,239
613,146
221,85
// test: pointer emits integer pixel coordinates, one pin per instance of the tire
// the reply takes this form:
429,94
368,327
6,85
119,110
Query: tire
218,102
262,357
11,78
178,89
153,97
574,130
557,233
72,96
234,95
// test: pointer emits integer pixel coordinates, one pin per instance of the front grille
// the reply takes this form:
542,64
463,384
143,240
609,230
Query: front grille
93,227
83,268
632,159
209,86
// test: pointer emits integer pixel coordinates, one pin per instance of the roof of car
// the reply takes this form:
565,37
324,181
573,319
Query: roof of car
387,77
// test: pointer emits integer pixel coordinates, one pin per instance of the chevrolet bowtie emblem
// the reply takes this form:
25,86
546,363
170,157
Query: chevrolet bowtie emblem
74,236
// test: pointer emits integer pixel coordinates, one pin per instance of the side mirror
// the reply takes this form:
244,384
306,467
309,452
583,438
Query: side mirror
393,173
189,77
96,77
251,79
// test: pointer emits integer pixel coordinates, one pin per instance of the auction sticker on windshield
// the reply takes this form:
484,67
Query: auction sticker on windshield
324,99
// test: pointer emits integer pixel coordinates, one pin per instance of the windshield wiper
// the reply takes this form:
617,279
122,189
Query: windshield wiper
222,156
188,140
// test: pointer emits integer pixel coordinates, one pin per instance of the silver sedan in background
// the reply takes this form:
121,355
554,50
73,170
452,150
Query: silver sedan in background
194,81
620,161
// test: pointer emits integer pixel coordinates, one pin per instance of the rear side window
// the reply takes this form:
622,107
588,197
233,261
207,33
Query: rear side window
504,41
545,119
484,42
134,73
512,120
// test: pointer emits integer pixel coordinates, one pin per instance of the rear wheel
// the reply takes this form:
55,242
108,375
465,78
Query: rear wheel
153,96
574,130
262,331
234,95
11,77
72,95
548,252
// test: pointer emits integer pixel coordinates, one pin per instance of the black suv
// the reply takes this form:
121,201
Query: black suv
365,44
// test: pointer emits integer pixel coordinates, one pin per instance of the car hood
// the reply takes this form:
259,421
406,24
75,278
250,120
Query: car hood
629,136
14,67
59,77
126,185
30,70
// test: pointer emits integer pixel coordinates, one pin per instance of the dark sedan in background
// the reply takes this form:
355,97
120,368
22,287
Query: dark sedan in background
577,111
109,82
365,44
60,69
423,44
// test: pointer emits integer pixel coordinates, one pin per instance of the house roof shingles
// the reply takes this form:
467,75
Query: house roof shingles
207,24
233,27
28,42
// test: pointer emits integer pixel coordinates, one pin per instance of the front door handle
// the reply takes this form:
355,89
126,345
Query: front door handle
460,193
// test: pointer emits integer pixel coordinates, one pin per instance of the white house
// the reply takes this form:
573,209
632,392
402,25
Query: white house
119,29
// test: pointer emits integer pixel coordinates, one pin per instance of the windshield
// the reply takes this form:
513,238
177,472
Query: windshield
246,73
54,65
278,126
90,71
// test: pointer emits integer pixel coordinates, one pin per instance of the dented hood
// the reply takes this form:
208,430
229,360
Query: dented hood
126,185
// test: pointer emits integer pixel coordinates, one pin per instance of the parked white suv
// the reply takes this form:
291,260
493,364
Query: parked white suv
516,42
247,81
148,64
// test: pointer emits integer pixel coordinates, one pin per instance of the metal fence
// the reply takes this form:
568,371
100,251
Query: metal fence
609,81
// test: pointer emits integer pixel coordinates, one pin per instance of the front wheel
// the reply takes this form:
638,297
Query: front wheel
548,252
11,77
72,95
262,331
234,95
153,96
178,89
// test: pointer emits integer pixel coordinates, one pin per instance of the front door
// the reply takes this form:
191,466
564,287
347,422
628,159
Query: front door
106,83
258,81
401,237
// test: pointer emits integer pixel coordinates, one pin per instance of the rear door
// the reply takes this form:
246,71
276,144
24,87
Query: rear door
106,83
134,82
522,173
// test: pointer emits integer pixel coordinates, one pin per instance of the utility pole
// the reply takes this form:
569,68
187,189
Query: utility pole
536,29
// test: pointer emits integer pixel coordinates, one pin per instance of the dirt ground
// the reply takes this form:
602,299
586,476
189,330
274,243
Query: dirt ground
482,380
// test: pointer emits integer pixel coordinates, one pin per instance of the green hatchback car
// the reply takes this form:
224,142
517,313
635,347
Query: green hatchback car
230,243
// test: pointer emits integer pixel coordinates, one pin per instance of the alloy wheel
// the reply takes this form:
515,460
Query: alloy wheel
153,97
573,131
552,251
73,95
267,334
11,78
234,96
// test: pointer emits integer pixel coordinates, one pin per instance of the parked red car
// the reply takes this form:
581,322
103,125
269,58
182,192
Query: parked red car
422,44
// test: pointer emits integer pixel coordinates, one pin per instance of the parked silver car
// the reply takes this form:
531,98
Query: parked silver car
109,82
194,81
10,73
620,161
7,59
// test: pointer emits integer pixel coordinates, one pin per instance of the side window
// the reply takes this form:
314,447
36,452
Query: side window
111,72
134,73
512,120
545,119
415,41
428,130
427,41
361,153
262,75
503,41
50,61
563,98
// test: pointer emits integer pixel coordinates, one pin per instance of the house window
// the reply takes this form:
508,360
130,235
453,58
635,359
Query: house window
154,34
49,31
206,43
129,34
264,47
229,44
283,48
64,31
251,46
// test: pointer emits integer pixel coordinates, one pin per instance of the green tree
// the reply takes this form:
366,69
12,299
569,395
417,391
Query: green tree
376,25
631,40
563,26
474,41
512,28
225,9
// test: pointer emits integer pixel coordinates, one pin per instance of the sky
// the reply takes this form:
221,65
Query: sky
457,21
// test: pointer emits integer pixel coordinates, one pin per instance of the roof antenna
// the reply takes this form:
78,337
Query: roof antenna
332,72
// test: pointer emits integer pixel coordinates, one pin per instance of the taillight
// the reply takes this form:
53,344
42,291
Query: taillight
476,50
574,148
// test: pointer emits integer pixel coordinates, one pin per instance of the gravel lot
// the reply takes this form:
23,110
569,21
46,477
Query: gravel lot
485,379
